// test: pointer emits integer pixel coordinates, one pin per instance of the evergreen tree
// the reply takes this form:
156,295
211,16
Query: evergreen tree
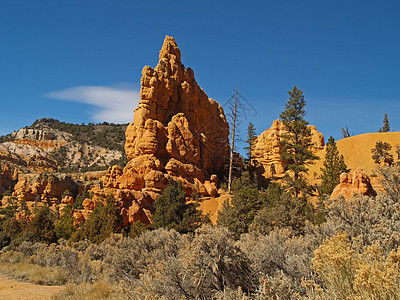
386,124
172,211
285,212
80,198
237,214
295,144
64,227
104,220
381,153
42,225
333,166
251,139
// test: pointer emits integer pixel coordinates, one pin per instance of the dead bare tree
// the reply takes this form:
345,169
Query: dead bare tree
234,122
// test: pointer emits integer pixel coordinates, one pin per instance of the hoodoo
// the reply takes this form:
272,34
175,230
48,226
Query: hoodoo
177,132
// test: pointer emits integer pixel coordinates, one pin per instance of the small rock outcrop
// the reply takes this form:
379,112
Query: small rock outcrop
8,177
267,149
354,183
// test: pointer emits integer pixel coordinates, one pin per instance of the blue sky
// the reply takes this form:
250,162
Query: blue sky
71,60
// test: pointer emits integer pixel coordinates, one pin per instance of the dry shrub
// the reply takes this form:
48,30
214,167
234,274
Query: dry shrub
210,262
128,258
348,274
280,260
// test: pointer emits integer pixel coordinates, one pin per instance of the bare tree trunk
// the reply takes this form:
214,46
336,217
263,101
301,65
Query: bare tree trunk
234,115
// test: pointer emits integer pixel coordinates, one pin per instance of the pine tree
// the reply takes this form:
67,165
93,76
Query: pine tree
386,124
333,166
381,154
251,139
296,142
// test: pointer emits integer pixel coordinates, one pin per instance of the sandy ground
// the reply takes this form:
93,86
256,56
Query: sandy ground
12,289
211,206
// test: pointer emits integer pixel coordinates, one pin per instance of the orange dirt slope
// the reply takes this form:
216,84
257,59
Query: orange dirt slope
357,152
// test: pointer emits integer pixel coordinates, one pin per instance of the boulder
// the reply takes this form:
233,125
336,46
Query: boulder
354,183
88,204
68,200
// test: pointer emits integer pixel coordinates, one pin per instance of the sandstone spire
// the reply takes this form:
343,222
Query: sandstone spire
177,130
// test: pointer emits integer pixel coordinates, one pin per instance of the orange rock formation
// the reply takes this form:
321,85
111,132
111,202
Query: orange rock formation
267,148
50,187
8,177
177,132
354,183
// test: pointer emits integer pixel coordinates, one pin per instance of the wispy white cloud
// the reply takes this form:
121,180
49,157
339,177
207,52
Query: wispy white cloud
113,104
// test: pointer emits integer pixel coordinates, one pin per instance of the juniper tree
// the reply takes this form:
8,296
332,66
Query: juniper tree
172,211
386,124
238,213
381,153
333,166
64,227
295,144
105,219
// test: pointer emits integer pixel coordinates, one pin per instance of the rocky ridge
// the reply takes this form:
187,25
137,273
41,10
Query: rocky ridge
46,146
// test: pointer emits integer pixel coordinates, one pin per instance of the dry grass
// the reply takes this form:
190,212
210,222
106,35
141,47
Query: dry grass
34,273
93,291
15,265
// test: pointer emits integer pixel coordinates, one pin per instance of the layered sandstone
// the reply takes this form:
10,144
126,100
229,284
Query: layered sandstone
356,183
267,149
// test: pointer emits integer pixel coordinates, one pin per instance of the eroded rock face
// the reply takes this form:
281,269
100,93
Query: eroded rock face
177,130
43,187
354,183
267,148
8,177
